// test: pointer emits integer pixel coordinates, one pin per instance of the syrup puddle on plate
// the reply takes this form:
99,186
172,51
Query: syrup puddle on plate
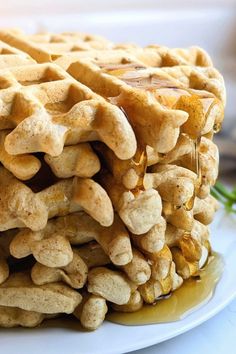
183,301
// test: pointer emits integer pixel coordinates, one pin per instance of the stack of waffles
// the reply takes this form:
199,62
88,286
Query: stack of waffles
107,161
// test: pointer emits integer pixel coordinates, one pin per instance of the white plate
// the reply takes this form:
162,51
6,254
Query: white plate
115,339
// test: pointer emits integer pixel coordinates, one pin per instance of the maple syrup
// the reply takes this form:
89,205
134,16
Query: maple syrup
194,293
196,168
139,164
119,70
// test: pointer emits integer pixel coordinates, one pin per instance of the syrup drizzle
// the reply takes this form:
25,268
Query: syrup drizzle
138,163
165,91
194,293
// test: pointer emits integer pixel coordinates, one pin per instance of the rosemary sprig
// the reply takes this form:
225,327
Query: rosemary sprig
225,197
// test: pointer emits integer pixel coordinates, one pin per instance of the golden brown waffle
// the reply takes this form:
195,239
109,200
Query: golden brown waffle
167,104
21,207
47,47
46,108
144,57
10,56
108,161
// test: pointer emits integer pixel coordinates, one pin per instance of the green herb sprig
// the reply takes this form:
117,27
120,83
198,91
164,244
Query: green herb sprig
225,197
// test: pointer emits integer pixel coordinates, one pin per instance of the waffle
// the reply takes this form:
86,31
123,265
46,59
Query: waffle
47,47
107,164
166,101
47,109
10,56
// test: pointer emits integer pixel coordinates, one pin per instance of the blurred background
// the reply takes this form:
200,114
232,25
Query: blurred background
210,24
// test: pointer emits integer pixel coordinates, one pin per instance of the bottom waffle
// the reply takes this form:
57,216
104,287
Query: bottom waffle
79,267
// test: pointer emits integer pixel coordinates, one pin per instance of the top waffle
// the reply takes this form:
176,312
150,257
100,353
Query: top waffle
47,109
